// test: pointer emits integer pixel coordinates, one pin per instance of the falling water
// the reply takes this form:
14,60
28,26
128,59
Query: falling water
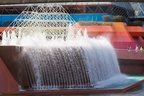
77,63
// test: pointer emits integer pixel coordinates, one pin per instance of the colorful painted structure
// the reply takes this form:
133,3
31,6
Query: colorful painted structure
122,36
12,76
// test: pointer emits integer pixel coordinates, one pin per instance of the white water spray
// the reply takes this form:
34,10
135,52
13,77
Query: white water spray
75,62
93,58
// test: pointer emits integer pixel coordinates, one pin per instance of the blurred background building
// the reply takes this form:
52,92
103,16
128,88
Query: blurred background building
81,11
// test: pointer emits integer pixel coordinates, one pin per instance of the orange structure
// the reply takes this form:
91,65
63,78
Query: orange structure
13,74
122,35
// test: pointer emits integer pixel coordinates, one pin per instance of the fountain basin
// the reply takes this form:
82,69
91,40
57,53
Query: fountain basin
131,62
23,72
9,58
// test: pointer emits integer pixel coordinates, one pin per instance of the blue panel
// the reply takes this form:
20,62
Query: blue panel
88,17
6,18
77,17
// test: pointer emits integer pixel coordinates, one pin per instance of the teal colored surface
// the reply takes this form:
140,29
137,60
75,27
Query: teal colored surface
133,80
136,77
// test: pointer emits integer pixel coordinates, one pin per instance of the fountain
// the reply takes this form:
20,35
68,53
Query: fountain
41,60
57,63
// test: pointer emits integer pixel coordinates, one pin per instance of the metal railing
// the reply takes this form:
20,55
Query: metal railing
139,8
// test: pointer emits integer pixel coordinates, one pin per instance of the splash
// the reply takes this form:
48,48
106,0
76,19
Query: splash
74,61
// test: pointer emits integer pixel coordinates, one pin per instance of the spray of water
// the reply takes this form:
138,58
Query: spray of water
77,62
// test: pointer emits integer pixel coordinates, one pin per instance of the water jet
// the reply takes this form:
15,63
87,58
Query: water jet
43,62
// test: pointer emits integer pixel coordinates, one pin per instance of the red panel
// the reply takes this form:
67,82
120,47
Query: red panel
134,29
119,32
98,28
136,34
7,82
2,29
